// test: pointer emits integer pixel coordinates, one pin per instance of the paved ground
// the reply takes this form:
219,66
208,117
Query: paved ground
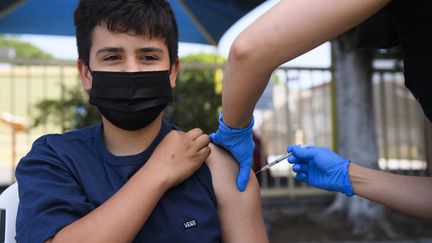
290,221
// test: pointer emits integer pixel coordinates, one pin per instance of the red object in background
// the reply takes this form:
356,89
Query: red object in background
256,153
259,160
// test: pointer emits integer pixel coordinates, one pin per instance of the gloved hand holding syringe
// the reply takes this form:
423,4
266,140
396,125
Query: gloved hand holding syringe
317,166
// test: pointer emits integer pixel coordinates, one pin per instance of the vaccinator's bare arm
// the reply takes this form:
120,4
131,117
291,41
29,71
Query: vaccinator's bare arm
287,30
409,194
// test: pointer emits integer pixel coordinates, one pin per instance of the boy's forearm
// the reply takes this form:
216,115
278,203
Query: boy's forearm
122,216
408,194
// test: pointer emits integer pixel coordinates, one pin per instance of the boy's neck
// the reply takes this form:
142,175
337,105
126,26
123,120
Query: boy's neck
122,142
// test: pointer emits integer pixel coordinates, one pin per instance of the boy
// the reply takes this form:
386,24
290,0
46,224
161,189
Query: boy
133,177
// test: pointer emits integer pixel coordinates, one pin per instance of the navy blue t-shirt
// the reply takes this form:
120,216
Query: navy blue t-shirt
66,176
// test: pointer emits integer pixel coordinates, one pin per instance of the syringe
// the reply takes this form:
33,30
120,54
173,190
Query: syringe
267,166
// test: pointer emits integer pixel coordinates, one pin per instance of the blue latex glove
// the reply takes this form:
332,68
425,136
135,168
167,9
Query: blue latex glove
321,168
240,144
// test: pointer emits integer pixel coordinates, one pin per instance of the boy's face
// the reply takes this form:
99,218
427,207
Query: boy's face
122,52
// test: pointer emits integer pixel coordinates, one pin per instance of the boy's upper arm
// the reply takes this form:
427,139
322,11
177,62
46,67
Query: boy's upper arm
240,213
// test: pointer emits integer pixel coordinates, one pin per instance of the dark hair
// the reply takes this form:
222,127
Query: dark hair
152,18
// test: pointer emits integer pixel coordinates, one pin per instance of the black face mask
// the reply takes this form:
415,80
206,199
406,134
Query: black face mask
130,100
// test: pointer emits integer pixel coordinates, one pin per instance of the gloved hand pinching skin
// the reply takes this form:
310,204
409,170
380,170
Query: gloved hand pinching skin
320,167
241,146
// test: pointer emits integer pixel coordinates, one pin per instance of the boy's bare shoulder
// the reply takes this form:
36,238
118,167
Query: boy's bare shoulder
221,161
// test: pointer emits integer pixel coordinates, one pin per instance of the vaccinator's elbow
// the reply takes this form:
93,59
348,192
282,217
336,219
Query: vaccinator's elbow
240,51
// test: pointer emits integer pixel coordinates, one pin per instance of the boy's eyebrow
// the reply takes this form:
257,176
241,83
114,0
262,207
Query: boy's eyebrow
109,49
149,49
119,49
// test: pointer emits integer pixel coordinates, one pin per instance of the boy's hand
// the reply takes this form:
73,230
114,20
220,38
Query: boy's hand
179,155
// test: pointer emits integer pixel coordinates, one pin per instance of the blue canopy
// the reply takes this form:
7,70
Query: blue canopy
200,21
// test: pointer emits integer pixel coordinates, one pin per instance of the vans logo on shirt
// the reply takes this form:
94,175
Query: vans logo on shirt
190,224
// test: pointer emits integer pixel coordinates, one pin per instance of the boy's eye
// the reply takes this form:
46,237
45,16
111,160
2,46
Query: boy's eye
111,58
148,58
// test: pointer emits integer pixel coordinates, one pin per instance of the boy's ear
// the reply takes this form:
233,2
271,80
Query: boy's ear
85,75
173,72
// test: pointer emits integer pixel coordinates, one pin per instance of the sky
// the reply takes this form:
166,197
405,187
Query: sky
65,48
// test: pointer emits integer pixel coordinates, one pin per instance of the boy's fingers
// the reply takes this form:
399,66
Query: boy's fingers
194,133
202,141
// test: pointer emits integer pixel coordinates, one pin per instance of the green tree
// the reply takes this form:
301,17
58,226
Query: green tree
24,49
72,112
196,102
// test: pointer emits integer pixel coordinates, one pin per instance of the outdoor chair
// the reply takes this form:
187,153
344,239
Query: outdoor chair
8,205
